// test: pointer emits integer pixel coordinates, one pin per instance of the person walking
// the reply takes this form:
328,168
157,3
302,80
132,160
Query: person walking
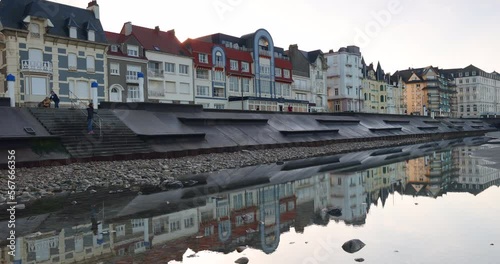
90,117
55,98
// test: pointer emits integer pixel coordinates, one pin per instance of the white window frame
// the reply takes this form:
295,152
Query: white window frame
90,64
169,67
114,68
218,76
72,61
183,69
202,90
233,84
182,87
72,32
203,58
91,35
114,48
277,72
286,73
133,50
133,93
245,66
245,85
200,74
219,106
234,65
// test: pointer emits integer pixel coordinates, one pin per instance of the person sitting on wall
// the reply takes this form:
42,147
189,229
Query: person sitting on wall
46,102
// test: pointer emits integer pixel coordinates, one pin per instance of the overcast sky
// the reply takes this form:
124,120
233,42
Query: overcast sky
398,33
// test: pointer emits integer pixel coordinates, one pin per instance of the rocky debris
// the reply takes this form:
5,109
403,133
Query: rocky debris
240,249
163,174
353,246
242,260
359,259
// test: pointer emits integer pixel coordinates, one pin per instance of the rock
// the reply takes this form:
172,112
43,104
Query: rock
20,206
93,191
240,249
74,202
353,246
279,162
359,259
2,199
242,260
172,184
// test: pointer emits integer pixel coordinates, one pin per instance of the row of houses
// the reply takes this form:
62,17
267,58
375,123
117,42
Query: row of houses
48,46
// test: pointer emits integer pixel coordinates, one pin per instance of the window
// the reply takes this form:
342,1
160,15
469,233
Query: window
381,98
169,67
474,108
132,71
35,30
337,91
72,32
286,73
265,86
381,88
233,84
184,88
114,69
170,87
133,93
460,81
245,67
277,88
234,65
189,222
90,64
219,62
203,58
202,90
80,89
175,225
202,74
218,76
265,69
183,69
114,48
91,35
277,72
286,89
245,83
466,74
473,73
468,108
72,61
37,85
133,50
219,106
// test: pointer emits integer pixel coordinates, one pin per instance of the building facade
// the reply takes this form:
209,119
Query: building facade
344,79
125,60
170,65
427,91
271,70
309,77
63,51
477,92
374,90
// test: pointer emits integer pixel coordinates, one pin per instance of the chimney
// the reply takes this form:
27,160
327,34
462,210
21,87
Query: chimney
128,28
157,29
94,7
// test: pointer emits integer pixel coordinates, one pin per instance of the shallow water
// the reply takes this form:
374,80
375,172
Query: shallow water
440,207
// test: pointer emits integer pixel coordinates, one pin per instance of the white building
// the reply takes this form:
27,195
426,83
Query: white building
170,66
309,78
344,77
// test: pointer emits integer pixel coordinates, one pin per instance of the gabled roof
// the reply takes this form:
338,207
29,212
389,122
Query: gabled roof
157,40
117,39
13,12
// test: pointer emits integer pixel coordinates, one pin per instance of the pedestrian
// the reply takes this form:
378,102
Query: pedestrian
55,98
258,108
46,102
290,109
90,117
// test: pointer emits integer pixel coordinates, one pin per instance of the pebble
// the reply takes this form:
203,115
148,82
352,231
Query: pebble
79,177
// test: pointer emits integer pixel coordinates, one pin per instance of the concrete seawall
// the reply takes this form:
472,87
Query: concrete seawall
184,130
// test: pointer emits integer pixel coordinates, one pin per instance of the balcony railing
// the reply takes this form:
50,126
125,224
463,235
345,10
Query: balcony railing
220,64
319,76
132,78
155,73
264,53
36,66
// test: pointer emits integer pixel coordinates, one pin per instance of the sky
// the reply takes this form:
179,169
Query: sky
397,33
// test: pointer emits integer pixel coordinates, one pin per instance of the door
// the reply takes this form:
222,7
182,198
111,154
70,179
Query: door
115,95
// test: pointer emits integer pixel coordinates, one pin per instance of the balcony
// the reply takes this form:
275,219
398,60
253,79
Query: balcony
264,53
155,73
219,64
132,78
319,76
36,66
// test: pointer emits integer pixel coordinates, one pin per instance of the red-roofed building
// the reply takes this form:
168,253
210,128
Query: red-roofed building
247,73
125,60
170,66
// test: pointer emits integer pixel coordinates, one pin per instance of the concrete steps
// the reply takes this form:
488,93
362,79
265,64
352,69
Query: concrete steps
113,138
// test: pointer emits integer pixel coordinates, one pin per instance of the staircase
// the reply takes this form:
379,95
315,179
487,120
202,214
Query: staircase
113,138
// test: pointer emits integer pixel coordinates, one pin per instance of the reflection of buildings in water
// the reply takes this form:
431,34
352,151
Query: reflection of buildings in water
430,175
257,216
474,176
68,245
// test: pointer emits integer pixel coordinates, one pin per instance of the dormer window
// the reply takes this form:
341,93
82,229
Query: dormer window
72,32
114,48
133,50
35,30
91,35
